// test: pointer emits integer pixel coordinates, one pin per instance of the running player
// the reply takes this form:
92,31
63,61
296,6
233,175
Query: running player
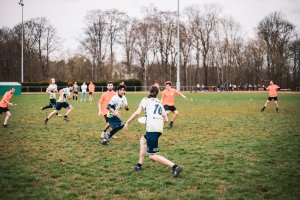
65,94
4,103
168,100
91,91
154,113
113,116
272,88
102,104
52,90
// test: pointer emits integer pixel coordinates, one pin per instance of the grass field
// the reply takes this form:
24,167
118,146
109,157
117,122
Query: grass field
229,150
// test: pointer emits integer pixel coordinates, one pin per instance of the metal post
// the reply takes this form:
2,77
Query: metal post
22,51
178,51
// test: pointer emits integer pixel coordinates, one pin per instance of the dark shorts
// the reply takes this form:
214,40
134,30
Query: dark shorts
53,102
114,122
270,98
3,110
105,117
91,93
75,92
152,142
60,105
171,108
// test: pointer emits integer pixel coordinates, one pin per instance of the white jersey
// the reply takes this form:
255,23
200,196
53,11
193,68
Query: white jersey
83,88
118,102
154,112
64,94
52,89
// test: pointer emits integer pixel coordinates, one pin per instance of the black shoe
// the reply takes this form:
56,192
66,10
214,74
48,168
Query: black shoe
137,168
176,171
46,121
277,110
171,125
262,110
5,125
66,119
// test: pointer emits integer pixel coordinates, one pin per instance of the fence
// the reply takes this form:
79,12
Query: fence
145,88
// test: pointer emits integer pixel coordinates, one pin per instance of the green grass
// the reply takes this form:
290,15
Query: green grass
229,150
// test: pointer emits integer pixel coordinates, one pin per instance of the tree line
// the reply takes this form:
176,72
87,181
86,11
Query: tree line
213,49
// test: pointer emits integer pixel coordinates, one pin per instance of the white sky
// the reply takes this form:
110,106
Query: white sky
67,16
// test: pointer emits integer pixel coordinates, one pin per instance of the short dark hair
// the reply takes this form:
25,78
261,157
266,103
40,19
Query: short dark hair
121,86
168,83
70,84
109,82
12,87
153,91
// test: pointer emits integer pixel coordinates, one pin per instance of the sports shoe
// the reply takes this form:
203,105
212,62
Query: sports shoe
262,110
66,119
104,141
170,125
46,121
5,126
177,170
277,110
137,168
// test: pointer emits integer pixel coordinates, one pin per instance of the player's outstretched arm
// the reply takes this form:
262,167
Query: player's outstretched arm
181,95
132,117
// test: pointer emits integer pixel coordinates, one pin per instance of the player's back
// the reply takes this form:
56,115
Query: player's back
154,112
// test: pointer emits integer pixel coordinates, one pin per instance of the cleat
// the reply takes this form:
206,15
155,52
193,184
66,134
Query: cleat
5,125
177,170
66,119
104,141
137,168
277,110
46,121
170,125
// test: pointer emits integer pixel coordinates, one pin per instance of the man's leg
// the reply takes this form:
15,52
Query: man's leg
46,107
277,106
70,108
143,149
8,114
50,115
160,159
266,104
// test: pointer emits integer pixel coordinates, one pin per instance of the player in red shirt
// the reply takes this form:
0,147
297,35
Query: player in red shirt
4,103
168,100
272,88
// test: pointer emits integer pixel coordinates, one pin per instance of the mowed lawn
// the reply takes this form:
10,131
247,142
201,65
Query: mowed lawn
229,150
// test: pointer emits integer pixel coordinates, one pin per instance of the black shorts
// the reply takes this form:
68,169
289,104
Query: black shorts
52,102
3,110
270,98
171,108
75,92
152,142
90,93
105,117
60,105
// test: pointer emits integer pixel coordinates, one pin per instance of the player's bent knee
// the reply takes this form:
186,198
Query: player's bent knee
8,114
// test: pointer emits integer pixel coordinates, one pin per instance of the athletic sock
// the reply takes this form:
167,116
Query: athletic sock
174,167
49,106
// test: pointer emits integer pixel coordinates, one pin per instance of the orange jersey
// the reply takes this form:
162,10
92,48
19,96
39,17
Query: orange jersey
7,96
273,90
168,96
104,100
91,88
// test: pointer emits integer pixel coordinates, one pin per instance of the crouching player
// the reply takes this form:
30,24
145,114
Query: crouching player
154,112
65,94
113,116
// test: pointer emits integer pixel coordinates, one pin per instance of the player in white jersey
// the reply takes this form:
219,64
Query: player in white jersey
65,94
155,115
52,90
113,116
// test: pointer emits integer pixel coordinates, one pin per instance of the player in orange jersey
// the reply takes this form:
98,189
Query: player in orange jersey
4,103
91,91
168,100
103,102
272,88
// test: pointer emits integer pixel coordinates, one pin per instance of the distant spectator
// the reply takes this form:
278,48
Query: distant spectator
75,91
83,92
198,87
91,91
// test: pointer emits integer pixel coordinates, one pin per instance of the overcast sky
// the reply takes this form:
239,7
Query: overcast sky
67,16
